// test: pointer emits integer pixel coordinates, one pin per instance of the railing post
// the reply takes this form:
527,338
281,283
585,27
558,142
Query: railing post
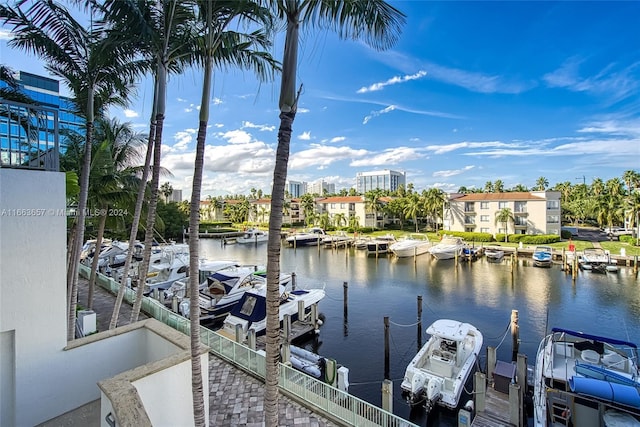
387,395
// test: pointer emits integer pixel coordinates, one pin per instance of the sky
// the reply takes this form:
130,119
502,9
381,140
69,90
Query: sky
472,92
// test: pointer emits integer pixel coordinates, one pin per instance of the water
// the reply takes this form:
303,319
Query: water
480,293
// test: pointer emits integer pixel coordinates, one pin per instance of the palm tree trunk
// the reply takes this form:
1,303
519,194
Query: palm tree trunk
72,302
273,270
94,264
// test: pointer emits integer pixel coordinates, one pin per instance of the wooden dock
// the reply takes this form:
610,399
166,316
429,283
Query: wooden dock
496,411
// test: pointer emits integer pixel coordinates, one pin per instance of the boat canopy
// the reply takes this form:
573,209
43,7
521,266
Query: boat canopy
612,341
449,329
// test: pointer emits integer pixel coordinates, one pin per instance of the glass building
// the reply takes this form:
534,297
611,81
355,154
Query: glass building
29,133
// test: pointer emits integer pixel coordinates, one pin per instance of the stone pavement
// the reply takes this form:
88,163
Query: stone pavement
235,397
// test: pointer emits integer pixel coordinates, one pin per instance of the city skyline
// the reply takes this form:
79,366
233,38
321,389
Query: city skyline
473,92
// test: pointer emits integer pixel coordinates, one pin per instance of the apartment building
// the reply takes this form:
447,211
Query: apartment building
535,212
383,180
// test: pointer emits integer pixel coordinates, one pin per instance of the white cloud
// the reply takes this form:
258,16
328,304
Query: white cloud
392,81
302,110
446,148
391,156
216,101
377,113
337,139
454,172
130,113
236,136
183,139
5,34
305,136
320,156
267,128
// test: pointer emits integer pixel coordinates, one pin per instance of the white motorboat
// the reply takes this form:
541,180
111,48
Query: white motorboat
251,311
597,260
253,235
224,289
339,238
411,245
494,255
542,256
579,378
380,244
440,370
447,248
311,237
171,265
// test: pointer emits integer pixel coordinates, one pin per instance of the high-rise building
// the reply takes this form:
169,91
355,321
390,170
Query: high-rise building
321,187
296,188
383,180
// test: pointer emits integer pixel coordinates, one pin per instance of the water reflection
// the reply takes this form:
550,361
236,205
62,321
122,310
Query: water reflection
481,293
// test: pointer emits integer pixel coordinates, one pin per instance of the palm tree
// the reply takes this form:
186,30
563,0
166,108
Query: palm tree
97,71
379,25
542,183
372,204
162,32
498,186
339,220
113,176
413,207
488,187
166,189
505,216
631,179
433,204
520,188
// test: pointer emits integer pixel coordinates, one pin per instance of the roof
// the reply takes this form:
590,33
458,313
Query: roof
342,199
481,197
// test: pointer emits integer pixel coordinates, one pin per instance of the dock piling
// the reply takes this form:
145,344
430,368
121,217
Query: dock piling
419,322
387,395
386,347
514,335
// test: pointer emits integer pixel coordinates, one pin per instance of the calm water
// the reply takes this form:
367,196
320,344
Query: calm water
480,293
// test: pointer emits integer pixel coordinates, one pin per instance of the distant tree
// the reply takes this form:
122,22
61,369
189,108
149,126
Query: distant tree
488,187
413,208
505,216
498,186
520,188
166,190
541,184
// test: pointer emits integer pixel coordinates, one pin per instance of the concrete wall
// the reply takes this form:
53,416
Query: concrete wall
32,293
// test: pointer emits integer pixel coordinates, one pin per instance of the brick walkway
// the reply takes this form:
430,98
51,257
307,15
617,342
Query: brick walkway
235,397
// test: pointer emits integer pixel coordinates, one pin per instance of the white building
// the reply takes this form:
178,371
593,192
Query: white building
536,212
176,196
383,180
321,187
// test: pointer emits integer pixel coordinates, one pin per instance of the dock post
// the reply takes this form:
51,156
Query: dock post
512,260
252,339
515,405
386,347
564,261
314,318
521,375
161,297
286,350
239,333
345,312
635,264
293,281
491,361
301,311
387,395
514,335
419,322
480,395
174,304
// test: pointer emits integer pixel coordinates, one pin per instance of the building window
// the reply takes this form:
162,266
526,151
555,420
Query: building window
484,205
520,207
520,221
484,218
469,220
503,205
484,230
333,205
469,207
553,219
341,205
553,204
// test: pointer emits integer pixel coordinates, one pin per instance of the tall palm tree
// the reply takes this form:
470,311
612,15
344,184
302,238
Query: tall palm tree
222,48
498,186
162,32
114,176
379,25
97,71
373,204
631,179
505,216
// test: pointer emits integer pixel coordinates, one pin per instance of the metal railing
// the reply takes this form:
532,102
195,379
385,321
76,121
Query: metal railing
318,396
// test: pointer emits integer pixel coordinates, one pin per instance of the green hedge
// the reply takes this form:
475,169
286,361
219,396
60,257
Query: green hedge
625,238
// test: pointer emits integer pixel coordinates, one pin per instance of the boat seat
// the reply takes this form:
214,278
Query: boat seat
614,360
590,356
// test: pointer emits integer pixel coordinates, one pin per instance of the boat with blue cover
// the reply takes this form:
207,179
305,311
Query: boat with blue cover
542,256
580,377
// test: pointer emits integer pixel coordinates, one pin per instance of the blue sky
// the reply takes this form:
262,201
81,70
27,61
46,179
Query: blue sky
472,92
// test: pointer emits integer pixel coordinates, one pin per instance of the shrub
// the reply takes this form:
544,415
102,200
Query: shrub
565,234
628,239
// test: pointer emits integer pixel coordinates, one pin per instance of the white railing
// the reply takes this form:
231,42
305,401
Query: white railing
316,395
